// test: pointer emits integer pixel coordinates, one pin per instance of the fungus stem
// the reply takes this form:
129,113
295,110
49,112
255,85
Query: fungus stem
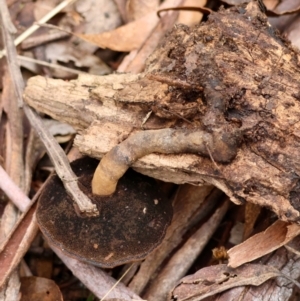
222,146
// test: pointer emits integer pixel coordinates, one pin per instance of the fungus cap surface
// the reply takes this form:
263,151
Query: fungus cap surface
131,224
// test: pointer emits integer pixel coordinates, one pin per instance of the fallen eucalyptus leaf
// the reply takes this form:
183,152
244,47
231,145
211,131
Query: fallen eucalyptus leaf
216,279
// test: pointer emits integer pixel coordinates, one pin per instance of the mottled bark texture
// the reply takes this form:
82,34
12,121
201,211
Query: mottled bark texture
232,75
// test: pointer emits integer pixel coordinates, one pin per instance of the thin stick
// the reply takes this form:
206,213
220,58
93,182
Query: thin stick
292,250
211,157
179,264
13,192
119,280
55,152
5,13
51,26
175,114
34,27
51,65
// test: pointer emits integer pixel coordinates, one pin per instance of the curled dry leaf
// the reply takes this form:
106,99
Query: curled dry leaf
215,279
277,235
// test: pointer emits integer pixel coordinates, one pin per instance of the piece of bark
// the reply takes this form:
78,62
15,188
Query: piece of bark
232,74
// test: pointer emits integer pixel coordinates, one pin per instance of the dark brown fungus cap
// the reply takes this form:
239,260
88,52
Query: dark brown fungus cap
131,224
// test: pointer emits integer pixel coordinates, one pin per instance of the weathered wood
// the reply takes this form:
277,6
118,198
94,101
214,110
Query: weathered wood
232,74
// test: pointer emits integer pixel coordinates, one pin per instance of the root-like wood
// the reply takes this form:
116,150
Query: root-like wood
232,75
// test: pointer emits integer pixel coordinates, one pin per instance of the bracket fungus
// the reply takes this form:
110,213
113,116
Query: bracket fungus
132,222
134,215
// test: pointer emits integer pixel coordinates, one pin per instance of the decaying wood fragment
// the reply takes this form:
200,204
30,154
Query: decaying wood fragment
232,74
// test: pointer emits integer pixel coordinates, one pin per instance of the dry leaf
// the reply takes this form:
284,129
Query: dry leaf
137,9
191,18
95,16
124,38
268,3
271,4
215,279
98,16
17,244
135,61
38,288
293,33
235,2
277,235
130,36
287,6
280,8
41,8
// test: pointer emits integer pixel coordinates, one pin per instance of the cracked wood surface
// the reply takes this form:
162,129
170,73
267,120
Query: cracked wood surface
232,74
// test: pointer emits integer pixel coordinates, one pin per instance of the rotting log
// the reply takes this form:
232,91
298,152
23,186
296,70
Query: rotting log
232,74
